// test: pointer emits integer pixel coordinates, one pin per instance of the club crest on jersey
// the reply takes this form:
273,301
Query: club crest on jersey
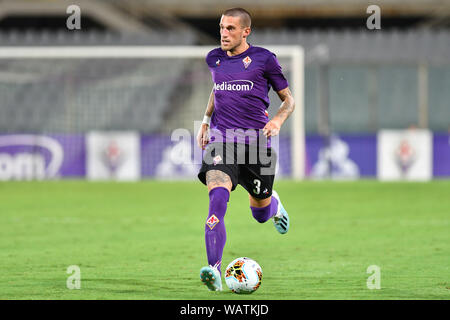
212,221
246,61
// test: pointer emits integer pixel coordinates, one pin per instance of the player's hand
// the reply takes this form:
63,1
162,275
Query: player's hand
272,128
203,136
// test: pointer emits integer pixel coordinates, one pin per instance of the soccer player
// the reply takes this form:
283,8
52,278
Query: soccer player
243,75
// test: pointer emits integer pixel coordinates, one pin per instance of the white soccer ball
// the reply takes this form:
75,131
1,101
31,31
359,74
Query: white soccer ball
243,275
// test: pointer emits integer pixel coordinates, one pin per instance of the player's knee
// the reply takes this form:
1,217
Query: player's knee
216,179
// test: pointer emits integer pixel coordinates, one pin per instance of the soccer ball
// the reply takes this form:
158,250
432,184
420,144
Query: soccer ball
243,275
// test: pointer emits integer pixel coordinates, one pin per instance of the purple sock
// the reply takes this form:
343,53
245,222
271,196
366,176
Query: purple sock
263,214
215,233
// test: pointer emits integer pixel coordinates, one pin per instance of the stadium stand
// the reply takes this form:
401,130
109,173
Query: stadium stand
101,95
371,76
28,88
392,56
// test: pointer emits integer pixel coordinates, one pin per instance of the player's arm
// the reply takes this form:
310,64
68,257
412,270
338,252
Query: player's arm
202,136
272,128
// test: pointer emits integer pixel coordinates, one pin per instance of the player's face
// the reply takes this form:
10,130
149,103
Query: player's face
232,33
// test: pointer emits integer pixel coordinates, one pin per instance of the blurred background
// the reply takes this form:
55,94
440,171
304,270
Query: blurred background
376,86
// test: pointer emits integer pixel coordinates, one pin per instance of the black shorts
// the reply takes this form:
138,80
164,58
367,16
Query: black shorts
248,165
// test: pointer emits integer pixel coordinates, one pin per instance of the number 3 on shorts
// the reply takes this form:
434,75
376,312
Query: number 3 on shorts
257,188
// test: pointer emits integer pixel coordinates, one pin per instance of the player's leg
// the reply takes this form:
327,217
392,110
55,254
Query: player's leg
221,179
263,209
219,186
265,203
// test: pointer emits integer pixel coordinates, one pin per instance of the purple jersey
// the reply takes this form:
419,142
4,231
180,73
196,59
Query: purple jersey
241,86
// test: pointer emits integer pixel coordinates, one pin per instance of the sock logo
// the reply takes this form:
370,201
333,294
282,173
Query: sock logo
212,221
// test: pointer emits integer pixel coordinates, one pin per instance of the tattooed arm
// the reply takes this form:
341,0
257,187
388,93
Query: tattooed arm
202,136
273,127
210,107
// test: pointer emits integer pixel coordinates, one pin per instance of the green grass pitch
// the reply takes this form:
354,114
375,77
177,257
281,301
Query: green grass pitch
145,240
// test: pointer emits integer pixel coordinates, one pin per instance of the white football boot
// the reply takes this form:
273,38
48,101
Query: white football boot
211,277
281,219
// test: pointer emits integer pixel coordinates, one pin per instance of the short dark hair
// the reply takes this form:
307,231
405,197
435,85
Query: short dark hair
244,15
